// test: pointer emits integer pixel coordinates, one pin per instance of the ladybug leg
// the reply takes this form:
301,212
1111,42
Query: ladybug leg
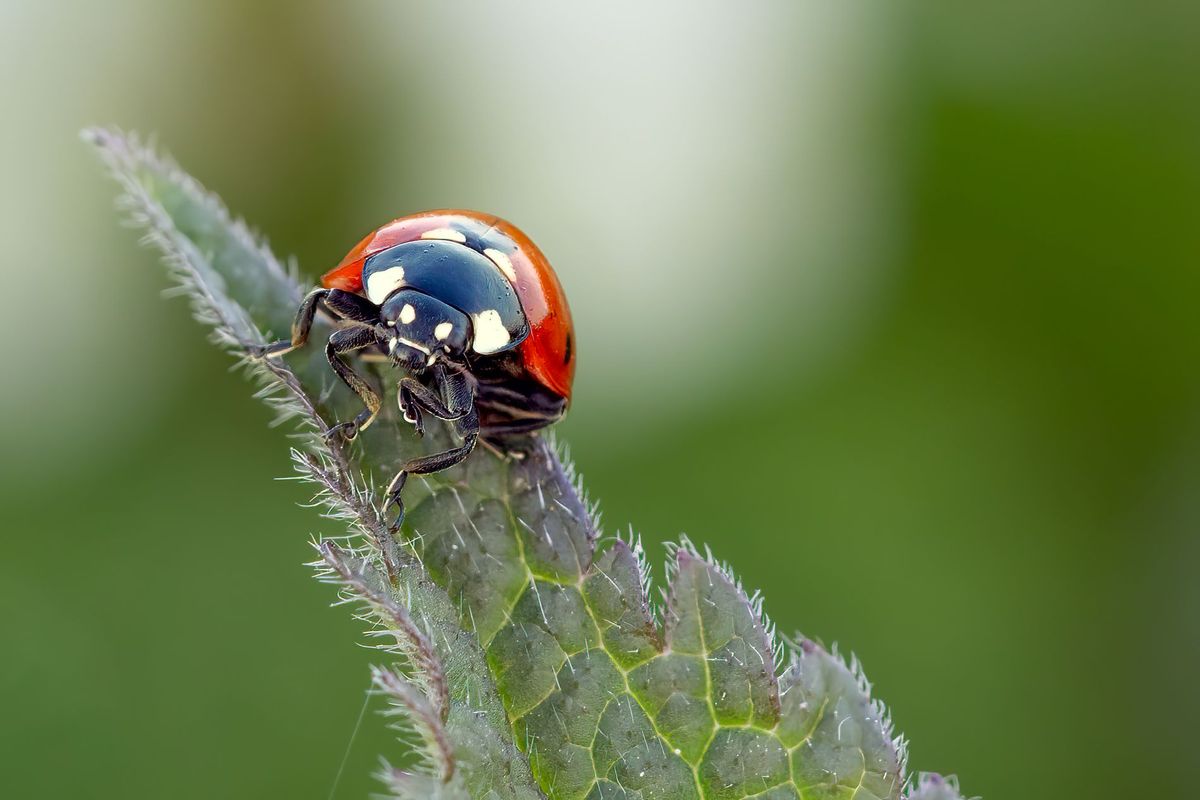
346,305
416,397
459,407
300,327
424,466
410,407
342,305
343,341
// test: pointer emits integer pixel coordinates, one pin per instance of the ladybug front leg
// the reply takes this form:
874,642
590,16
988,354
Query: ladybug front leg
341,305
416,397
458,406
347,340
424,466
300,327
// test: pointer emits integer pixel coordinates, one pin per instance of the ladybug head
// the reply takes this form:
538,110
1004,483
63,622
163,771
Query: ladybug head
423,329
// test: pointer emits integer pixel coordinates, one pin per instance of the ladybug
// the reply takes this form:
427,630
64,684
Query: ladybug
472,313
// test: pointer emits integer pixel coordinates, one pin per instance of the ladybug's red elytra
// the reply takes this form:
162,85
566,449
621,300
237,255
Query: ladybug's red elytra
469,308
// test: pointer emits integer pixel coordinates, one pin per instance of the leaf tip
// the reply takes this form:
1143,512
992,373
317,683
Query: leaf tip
932,786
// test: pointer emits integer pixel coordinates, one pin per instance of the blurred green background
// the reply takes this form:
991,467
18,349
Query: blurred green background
893,305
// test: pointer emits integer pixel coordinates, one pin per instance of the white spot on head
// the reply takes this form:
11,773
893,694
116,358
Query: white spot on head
490,334
396,341
414,345
501,260
443,330
448,234
381,284
408,313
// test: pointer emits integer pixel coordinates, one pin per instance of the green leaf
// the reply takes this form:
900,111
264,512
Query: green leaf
526,656
609,702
